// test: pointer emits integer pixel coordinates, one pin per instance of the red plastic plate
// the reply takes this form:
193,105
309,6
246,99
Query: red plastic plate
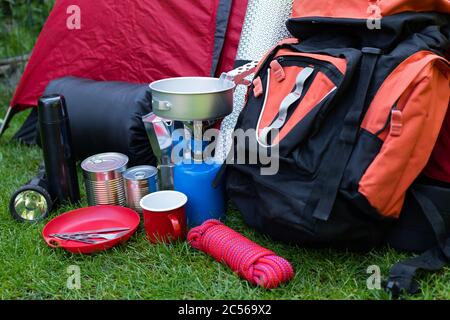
91,218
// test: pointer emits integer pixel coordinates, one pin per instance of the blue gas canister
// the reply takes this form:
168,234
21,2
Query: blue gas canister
204,201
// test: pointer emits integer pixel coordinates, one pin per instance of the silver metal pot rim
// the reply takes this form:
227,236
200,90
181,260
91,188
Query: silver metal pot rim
228,85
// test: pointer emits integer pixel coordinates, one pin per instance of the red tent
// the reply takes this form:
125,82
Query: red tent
135,41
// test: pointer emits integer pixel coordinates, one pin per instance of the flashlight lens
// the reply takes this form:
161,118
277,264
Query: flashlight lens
30,205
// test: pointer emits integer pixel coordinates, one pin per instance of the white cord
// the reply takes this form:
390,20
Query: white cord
262,144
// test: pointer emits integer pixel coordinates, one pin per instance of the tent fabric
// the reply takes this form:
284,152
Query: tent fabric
132,41
232,36
222,18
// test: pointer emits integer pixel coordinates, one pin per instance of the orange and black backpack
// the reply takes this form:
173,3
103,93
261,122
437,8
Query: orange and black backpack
356,104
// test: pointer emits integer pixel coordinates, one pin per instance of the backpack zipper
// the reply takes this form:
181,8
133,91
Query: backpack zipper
337,75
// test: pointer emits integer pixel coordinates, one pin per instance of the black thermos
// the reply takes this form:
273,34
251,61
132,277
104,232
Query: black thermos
56,142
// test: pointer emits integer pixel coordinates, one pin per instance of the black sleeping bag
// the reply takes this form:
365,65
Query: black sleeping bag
104,117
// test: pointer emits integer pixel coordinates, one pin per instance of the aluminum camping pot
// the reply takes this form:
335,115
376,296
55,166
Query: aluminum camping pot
103,178
139,181
192,98
197,98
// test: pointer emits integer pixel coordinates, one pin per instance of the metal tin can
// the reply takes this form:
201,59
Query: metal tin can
103,178
139,181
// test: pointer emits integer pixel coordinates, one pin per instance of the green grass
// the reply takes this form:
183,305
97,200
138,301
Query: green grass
20,23
138,270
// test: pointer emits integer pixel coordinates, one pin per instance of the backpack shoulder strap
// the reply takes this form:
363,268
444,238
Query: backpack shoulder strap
402,275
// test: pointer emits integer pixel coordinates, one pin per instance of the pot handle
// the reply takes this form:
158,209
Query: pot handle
161,105
238,75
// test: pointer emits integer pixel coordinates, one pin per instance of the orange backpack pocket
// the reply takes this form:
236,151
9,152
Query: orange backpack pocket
296,84
406,114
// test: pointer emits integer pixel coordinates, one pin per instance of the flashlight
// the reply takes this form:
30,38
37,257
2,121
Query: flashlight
32,202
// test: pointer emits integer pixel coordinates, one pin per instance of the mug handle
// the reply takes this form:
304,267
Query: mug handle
175,225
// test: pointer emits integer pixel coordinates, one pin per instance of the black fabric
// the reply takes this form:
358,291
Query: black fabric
240,63
394,29
333,166
222,18
366,149
28,134
413,231
435,208
104,117
432,213
275,214
402,275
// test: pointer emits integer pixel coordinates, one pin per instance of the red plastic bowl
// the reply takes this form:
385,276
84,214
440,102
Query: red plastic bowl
91,218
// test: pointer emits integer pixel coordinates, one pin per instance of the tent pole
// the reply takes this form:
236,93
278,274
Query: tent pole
5,122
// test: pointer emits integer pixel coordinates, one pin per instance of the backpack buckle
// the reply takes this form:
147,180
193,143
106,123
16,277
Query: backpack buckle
396,123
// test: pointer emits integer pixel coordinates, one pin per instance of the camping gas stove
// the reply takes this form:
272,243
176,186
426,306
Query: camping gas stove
199,103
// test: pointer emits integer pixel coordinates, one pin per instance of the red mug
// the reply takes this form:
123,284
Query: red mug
164,216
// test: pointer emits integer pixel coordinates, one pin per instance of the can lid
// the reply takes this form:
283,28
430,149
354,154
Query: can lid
102,162
140,173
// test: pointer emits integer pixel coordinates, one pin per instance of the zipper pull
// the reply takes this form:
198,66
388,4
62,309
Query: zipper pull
257,87
278,71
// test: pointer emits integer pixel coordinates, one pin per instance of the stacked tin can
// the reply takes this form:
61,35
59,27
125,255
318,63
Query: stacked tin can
139,181
103,178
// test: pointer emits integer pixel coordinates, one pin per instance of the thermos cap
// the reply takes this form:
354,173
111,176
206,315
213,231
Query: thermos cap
52,109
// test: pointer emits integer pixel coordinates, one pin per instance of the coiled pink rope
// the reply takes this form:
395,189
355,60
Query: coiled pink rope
254,263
